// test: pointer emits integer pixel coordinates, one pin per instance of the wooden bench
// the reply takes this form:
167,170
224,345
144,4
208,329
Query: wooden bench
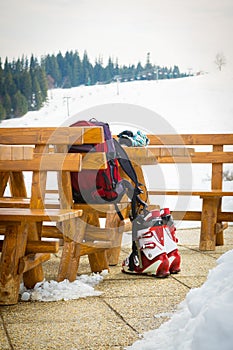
20,254
211,216
15,158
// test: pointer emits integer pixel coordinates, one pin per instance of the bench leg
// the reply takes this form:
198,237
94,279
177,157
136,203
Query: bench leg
113,221
13,249
98,261
69,262
36,274
208,223
220,227
73,232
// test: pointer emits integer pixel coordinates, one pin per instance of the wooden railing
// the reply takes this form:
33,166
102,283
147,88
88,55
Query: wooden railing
211,215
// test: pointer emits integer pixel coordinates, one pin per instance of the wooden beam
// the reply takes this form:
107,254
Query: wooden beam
42,247
30,261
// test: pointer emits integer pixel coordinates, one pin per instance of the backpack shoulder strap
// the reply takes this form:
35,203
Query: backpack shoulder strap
125,163
128,168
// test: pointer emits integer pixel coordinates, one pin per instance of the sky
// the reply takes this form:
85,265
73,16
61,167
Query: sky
175,32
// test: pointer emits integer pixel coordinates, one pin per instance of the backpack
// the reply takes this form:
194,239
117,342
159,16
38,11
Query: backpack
106,185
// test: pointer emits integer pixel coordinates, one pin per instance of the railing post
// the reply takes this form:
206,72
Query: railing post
217,180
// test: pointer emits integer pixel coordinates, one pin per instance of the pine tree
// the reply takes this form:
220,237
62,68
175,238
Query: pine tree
76,70
87,70
19,104
98,71
26,86
6,102
2,112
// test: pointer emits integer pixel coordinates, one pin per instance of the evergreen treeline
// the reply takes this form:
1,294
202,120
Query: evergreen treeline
24,83
23,87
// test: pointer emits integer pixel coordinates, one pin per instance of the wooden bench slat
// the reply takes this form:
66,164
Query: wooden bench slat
41,136
57,162
16,152
94,161
12,202
52,135
191,139
26,214
201,193
47,161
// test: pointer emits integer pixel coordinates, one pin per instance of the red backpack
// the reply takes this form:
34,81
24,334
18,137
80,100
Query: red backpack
105,185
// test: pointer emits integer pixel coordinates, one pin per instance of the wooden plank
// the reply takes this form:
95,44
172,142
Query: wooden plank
191,139
42,136
12,202
49,231
201,193
37,215
198,157
94,161
93,135
5,152
187,215
47,161
57,161
52,135
225,216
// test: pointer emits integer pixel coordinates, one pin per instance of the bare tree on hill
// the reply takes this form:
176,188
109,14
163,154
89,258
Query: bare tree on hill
220,60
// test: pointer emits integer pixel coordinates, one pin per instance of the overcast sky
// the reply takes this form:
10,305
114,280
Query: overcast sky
188,33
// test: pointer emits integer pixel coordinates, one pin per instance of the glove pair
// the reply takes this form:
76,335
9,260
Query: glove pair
128,138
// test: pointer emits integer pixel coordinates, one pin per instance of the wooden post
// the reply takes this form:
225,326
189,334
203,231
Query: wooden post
113,221
69,263
208,223
17,185
38,188
14,246
4,177
217,178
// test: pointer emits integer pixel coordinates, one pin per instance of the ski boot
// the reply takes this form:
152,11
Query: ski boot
170,241
148,253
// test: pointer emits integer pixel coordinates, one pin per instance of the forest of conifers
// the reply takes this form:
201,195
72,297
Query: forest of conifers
24,82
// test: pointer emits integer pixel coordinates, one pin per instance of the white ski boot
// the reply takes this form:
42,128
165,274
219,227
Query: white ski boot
148,252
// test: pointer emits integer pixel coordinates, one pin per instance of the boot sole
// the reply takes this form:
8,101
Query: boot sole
145,274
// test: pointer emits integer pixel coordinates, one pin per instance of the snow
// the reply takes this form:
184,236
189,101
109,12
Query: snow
203,320
46,291
200,104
